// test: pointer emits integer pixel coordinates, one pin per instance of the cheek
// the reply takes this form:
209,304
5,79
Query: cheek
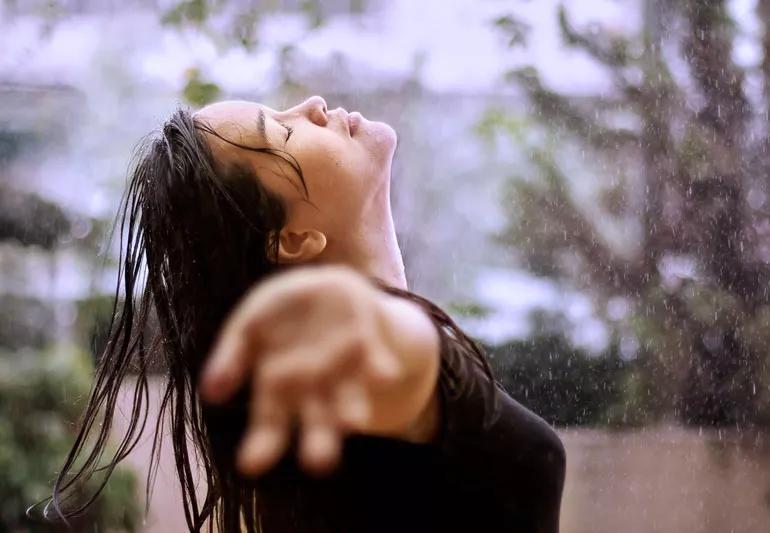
343,191
343,176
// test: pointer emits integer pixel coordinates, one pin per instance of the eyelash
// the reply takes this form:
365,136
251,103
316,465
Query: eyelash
289,129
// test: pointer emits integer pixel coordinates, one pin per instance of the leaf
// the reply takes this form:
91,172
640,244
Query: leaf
198,91
188,11
516,30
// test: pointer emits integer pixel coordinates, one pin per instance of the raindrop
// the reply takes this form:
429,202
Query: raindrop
712,339
756,198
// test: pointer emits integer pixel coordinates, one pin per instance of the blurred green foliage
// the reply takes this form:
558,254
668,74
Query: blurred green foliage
194,12
652,192
565,385
42,393
516,30
197,91
44,382
468,309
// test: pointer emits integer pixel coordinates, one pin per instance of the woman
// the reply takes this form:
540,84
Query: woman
315,392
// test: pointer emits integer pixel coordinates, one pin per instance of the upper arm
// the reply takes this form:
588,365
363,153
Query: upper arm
496,443
489,442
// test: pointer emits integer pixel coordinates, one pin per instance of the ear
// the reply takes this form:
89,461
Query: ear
300,247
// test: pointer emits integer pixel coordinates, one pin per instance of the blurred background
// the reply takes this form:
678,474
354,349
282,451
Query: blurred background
583,185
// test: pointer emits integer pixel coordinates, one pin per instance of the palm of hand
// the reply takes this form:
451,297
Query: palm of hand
311,343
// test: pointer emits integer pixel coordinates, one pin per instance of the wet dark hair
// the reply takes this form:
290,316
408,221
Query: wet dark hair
195,235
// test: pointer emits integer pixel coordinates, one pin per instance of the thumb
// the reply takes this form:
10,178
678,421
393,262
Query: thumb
226,369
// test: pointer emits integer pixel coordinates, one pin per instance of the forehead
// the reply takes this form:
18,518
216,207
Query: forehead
240,122
235,116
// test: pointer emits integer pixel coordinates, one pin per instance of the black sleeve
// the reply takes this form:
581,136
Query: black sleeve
494,445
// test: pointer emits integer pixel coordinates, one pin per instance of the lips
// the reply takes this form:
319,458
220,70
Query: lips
354,120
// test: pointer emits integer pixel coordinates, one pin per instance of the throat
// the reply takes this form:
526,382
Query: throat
373,250
378,255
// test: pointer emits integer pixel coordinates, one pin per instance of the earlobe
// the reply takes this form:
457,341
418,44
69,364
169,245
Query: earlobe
300,247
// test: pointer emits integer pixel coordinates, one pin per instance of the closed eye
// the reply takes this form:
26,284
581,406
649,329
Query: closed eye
289,130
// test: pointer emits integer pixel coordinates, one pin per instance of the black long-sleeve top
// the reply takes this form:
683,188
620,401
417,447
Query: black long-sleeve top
494,467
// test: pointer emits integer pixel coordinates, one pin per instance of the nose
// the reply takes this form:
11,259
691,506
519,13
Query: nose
315,109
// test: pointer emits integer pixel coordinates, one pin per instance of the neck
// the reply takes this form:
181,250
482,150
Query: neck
372,248
379,256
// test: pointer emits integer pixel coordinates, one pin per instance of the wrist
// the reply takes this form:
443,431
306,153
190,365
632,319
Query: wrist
425,428
411,334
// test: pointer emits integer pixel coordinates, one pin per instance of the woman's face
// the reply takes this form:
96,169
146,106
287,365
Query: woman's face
345,158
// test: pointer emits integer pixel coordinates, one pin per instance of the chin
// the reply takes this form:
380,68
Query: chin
381,137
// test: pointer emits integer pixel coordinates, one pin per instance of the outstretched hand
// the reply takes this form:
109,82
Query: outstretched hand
324,346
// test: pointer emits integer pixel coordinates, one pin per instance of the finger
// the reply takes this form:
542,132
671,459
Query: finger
271,300
233,354
227,368
321,442
352,406
267,433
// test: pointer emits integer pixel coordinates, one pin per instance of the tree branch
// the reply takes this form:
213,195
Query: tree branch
29,219
610,51
561,111
707,48
551,218
763,14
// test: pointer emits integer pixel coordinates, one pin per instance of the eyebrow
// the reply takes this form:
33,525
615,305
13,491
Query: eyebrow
261,124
